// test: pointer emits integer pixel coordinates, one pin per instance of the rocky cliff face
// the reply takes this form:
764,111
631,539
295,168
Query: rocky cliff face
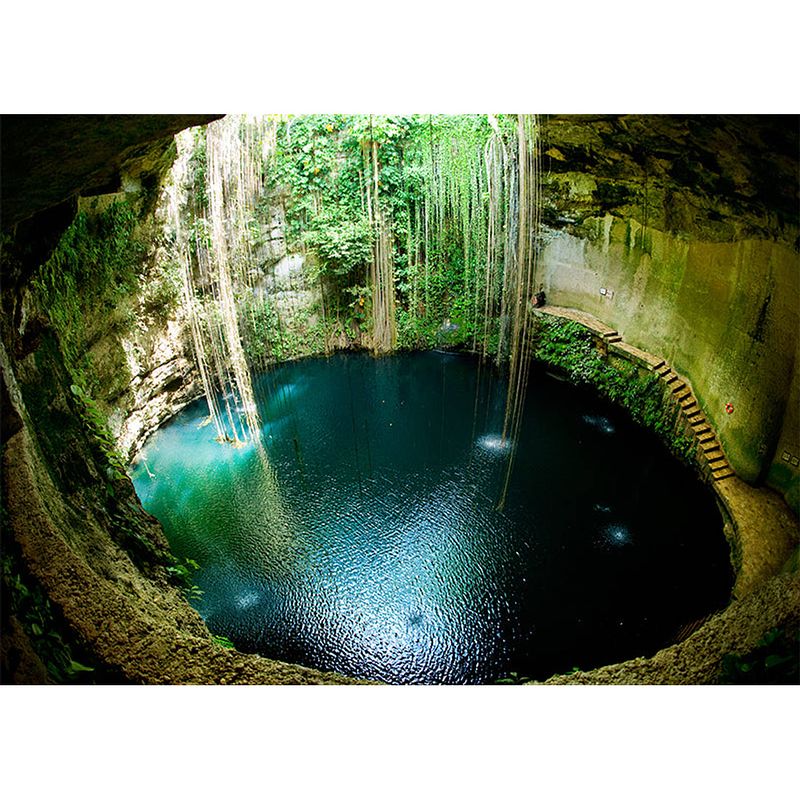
706,178
53,168
160,370
163,380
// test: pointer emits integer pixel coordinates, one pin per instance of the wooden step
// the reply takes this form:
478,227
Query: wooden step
710,445
696,418
678,387
715,457
701,427
614,338
690,408
706,436
659,365
670,377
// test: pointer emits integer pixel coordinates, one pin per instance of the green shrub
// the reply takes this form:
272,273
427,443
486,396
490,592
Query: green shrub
568,346
774,660
343,246
32,608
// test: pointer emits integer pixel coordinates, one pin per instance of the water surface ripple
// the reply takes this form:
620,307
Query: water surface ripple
373,545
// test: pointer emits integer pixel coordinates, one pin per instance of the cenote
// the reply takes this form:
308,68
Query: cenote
373,544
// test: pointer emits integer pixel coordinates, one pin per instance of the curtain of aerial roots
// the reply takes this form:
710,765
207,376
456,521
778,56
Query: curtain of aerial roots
452,215
519,283
223,276
485,194
384,327
496,167
174,203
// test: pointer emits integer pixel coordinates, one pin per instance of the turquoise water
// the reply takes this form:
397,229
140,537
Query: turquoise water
372,545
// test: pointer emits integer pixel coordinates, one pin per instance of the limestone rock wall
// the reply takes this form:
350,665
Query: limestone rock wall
683,234
163,379
723,314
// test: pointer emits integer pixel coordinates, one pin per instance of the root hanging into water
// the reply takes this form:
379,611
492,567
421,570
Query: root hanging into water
215,258
521,284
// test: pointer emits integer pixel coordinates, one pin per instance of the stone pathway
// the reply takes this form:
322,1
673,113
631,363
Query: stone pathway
764,529
711,459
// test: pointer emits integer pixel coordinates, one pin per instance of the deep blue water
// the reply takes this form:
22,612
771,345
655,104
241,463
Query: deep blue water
374,547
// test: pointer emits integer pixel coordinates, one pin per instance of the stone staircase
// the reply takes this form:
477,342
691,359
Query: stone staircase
710,457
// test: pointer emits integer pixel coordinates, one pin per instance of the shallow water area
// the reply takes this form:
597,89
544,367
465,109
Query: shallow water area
373,544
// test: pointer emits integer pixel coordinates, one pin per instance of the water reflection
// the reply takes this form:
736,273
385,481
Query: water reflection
372,545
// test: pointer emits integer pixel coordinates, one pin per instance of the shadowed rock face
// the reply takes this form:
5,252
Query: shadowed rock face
47,159
713,178
727,165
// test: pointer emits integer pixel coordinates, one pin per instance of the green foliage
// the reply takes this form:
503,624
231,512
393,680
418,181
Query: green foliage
30,605
261,333
415,332
267,339
96,264
198,163
343,246
432,193
513,678
223,641
182,572
162,291
97,426
774,660
305,169
569,347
